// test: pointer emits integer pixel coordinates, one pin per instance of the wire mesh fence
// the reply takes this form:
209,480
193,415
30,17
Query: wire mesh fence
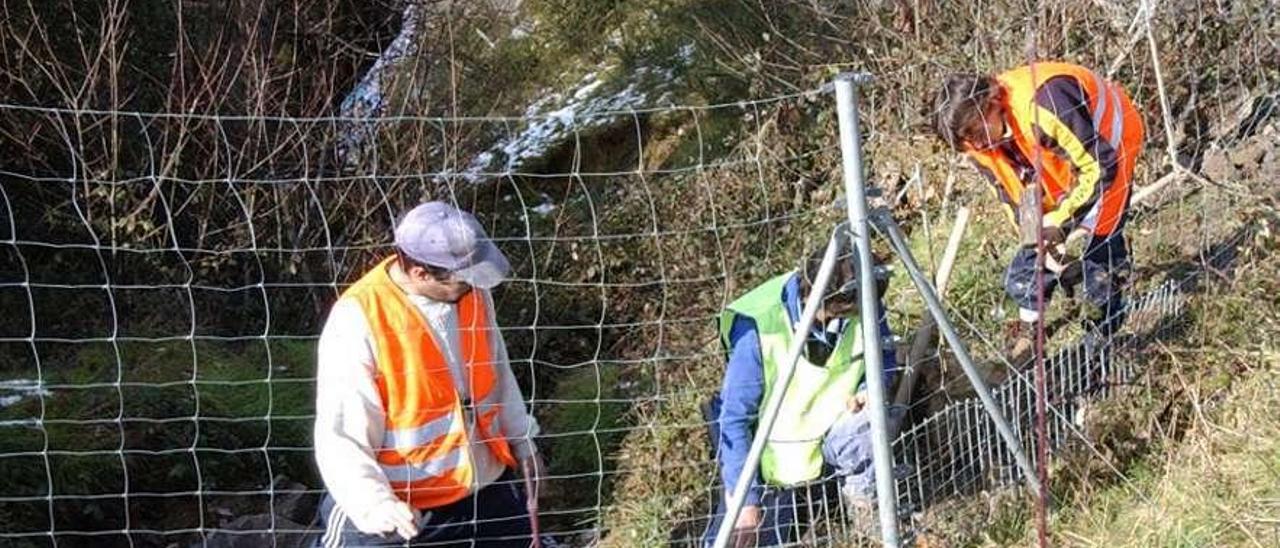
164,271
955,452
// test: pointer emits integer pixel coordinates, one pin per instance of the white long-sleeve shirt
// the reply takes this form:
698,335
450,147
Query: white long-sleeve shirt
351,420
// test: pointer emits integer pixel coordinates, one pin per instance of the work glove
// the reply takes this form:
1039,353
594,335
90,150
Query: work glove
1055,245
1053,237
1055,249
1067,256
386,517
1070,277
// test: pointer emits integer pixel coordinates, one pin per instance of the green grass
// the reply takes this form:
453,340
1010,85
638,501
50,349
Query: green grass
672,460
1215,481
642,466
581,431
1217,487
1196,441
158,414
975,291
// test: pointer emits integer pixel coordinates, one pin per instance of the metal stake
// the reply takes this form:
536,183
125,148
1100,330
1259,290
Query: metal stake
856,199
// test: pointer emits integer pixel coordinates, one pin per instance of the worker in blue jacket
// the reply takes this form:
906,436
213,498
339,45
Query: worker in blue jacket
822,428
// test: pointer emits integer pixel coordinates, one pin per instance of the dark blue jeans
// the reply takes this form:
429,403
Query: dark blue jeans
1104,267
494,517
778,524
846,454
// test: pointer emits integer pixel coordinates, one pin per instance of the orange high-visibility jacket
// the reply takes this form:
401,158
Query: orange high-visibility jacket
425,453
1076,186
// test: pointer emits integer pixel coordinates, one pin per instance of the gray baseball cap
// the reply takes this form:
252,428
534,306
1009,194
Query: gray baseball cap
440,235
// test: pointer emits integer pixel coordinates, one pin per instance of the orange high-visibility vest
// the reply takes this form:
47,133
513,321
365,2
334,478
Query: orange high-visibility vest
426,453
1114,118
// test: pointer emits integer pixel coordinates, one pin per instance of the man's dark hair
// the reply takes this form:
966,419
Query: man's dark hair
407,262
845,271
962,100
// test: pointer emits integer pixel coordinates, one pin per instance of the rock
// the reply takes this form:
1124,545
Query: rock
1269,169
1218,167
257,530
1248,154
294,505
294,502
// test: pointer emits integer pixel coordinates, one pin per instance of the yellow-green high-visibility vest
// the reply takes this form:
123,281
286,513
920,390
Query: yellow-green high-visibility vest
817,394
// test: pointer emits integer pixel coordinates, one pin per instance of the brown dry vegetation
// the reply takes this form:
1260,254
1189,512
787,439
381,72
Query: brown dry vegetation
249,217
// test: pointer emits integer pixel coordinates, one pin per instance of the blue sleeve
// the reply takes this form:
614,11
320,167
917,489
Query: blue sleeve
740,397
888,352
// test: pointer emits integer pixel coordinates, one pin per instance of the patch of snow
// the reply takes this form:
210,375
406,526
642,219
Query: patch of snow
685,53
20,389
361,108
523,30
586,90
554,118
546,207
484,158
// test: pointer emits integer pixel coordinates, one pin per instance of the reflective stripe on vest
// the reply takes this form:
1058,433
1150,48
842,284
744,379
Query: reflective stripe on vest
409,438
1114,118
406,473
1105,91
816,396
426,447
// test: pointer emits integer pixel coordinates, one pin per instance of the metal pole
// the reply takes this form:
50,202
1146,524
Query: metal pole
856,199
770,411
899,243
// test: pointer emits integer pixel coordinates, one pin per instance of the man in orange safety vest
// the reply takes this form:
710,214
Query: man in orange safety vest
420,426
1078,136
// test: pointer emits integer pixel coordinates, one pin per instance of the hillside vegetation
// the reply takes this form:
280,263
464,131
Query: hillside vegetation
168,274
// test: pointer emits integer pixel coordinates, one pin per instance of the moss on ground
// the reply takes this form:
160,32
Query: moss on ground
138,438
